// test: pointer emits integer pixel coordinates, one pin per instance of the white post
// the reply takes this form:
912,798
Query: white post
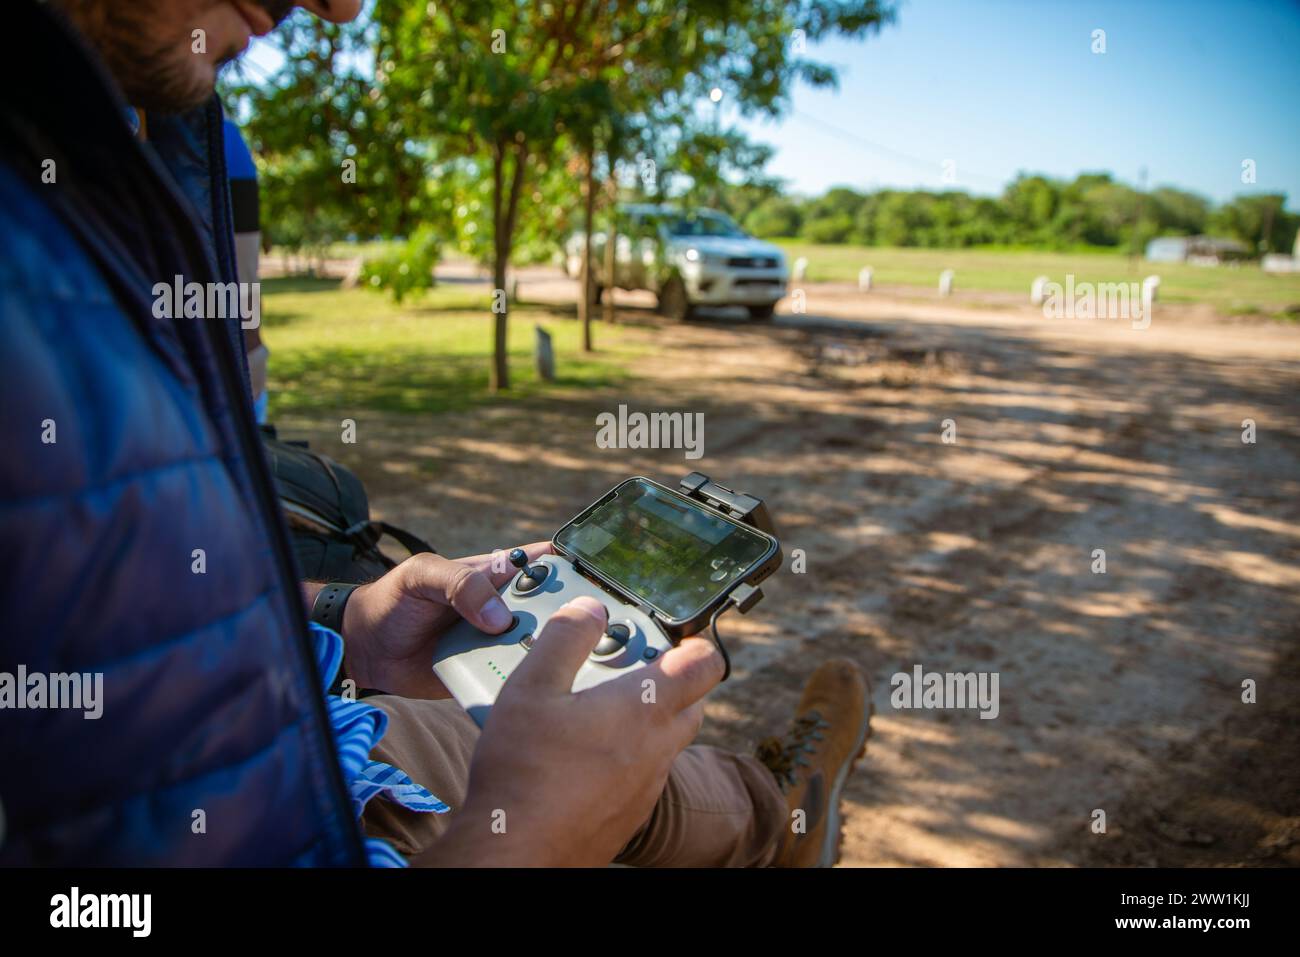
945,282
1038,292
1150,291
800,269
545,355
864,279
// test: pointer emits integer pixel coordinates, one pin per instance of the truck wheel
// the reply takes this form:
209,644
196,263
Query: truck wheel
673,303
762,313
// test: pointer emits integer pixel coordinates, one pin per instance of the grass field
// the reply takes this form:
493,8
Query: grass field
338,349
1241,290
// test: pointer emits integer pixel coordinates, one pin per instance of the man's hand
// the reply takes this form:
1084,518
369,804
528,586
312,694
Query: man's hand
566,779
390,626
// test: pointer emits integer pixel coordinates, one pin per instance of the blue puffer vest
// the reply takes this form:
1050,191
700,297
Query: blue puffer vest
212,702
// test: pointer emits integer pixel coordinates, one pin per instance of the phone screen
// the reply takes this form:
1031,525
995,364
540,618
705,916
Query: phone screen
664,549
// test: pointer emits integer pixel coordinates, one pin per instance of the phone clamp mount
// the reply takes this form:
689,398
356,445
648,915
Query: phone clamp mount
744,508
473,665
737,505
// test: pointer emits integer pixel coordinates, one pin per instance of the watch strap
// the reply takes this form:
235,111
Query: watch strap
327,611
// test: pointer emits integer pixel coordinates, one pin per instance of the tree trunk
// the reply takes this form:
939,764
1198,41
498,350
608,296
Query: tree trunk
611,241
588,223
505,209
499,377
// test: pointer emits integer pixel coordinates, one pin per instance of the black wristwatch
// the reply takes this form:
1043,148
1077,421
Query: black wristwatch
327,611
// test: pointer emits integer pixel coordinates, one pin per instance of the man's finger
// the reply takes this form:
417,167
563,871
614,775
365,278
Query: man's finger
462,586
687,724
496,565
684,674
563,645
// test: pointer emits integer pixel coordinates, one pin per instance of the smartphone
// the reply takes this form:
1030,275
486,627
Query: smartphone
667,553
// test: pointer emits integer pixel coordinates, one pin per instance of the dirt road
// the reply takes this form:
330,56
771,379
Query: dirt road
1119,692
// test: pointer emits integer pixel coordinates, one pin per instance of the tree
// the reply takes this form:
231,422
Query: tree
1178,212
832,217
776,217
420,99
1260,221
516,85
1031,203
707,164
343,167
487,81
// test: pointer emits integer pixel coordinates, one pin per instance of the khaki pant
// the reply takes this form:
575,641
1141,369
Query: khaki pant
718,809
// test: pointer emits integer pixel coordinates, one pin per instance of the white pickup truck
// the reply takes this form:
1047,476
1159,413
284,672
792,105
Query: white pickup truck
688,259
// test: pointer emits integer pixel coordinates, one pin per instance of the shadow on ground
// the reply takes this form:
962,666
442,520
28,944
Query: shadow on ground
1118,690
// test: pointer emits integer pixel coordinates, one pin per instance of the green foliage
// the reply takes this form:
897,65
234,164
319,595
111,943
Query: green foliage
467,118
776,217
436,105
404,268
1180,212
831,218
1091,211
1259,221
333,159
549,210
707,164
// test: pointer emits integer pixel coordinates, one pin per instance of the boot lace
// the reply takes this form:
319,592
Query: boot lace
784,756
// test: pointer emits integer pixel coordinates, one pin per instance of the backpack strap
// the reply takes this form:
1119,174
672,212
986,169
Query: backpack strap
412,543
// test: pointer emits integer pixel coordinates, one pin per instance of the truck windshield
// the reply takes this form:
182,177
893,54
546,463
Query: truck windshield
703,224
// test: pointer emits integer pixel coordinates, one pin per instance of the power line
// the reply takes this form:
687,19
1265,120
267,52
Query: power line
916,161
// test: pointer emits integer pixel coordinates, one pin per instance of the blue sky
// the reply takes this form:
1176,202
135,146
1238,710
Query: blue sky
1187,89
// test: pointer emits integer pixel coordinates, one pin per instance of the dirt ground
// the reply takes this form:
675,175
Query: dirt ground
1119,691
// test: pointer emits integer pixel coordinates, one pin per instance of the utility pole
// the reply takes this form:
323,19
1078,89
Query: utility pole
1265,240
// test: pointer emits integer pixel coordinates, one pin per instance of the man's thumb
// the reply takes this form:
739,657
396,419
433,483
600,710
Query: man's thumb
563,645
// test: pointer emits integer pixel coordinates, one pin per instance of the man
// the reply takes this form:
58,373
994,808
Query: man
246,219
144,544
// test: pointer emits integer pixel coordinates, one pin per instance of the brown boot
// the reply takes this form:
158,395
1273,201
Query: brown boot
828,735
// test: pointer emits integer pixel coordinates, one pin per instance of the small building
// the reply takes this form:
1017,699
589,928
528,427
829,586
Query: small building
1200,250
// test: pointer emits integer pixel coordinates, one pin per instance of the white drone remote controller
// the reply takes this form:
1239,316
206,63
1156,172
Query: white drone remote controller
664,562
474,665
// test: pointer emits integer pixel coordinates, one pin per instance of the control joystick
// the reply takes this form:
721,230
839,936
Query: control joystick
614,640
474,665
533,575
